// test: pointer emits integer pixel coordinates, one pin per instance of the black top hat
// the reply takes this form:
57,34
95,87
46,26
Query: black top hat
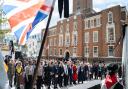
112,68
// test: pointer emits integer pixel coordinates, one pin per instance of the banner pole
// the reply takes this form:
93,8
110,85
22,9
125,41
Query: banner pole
42,45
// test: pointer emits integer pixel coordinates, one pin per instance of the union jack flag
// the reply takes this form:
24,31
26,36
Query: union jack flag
24,15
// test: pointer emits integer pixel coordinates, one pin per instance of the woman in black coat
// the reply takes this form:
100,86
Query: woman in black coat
81,73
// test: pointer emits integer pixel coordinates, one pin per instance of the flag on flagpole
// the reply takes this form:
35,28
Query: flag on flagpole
21,14
41,15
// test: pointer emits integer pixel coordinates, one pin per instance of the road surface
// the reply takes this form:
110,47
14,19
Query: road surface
85,85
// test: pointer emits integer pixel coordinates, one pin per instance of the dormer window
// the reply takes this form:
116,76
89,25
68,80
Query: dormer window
78,5
110,17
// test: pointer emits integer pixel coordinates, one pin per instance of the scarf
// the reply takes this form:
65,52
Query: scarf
110,81
19,69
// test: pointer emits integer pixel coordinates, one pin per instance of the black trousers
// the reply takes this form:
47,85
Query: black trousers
63,4
28,82
39,82
60,80
70,79
55,82
96,75
65,80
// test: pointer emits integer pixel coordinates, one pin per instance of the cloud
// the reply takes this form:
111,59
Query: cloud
39,28
99,2
119,2
111,5
97,9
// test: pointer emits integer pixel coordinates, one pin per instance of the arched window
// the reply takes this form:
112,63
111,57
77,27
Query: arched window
110,17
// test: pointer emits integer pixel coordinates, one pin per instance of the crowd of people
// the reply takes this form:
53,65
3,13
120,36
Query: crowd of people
53,73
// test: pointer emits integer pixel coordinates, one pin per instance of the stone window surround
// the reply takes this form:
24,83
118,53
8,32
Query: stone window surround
97,51
97,33
86,34
108,51
86,51
110,26
98,22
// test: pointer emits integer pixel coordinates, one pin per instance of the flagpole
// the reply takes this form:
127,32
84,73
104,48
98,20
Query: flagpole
42,45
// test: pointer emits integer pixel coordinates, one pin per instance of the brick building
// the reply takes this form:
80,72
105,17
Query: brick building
87,35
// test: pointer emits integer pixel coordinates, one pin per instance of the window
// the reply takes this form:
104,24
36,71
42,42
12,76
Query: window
110,17
61,29
67,39
54,41
86,24
74,40
55,51
110,51
51,42
94,22
86,51
95,51
67,28
61,40
78,5
60,51
98,21
74,50
75,26
86,39
89,24
95,36
50,51
110,34
78,8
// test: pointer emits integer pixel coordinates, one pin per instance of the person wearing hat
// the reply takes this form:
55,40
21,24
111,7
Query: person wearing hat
111,81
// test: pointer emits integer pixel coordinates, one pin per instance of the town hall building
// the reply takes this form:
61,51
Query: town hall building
87,35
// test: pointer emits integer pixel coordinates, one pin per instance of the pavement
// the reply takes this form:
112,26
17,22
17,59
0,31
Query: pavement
85,85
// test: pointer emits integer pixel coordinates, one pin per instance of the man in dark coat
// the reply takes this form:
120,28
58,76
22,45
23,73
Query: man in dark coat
65,74
56,74
96,70
47,75
70,72
81,73
86,71
61,74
